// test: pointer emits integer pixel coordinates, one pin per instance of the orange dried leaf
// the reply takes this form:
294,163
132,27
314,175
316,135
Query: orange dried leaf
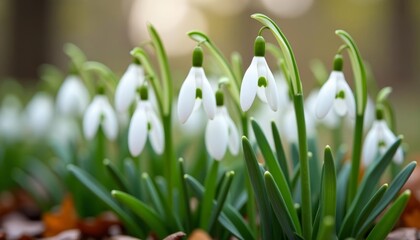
65,219
199,234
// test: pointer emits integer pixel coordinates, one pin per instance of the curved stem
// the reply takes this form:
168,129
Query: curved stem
359,73
104,72
300,118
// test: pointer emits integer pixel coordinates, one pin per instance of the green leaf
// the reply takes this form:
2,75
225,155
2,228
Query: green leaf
103,194
147,214
277,174
329,188
279,206
342,181
209,193
26,182
389,195
281,156
224,189
367,209
388,220
116,175
259,189
364,193
154,199
184,197
326,230
133,177
229,218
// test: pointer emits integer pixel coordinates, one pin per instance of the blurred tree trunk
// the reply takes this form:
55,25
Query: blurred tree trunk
29,37
403,41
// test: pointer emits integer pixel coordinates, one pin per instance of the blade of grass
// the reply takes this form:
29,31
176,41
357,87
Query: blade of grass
222,194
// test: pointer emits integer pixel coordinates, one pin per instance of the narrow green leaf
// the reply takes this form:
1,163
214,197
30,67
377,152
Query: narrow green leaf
104,195
229,218
389,195
26,182
342,181
153,195
388,220
368,208
326,230
133,177
224,189
116,175
279,206
149,216
184,197
209,194
329,186
364,193
259,189
277,174
281,156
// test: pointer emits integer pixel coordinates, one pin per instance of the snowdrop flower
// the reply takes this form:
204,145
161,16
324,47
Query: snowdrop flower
378,140
221,132
125,94
100,113
331,120
10,118
145,123
196,87
259,80
335,93
39,113
72,97
64,130
290,125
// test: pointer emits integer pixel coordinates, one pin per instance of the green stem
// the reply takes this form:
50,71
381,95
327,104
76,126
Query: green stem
359,73
300,118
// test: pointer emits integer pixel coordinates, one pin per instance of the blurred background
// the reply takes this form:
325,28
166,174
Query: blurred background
387,32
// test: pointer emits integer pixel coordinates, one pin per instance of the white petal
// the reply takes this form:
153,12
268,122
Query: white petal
110,121
390,139
249,86
186,98
271,91
72,97
217,137
137,132
349,97
92,118
233,135
261,94
340,107
326,96
127,87
290,126
370,146
156,132
40,113
209,99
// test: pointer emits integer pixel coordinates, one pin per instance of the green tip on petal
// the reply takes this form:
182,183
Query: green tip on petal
219,98
100,89
199,93
136,61
338,62
197,59
143,92
262,82
259,47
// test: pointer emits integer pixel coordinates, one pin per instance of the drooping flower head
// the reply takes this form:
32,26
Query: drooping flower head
378,140
72,97
259,80
335,93
221,132
100,113
125,94
145,124
196,87
39,114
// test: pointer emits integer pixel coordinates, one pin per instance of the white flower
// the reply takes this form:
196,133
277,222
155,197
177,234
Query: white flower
290,125
125,94
145,123
72,97
64,130
331,120
100,113
39,113
259,80
221,133
378,140
10,118
335,93
195,87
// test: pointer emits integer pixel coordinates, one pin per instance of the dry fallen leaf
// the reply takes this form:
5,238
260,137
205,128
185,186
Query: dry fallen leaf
64,219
